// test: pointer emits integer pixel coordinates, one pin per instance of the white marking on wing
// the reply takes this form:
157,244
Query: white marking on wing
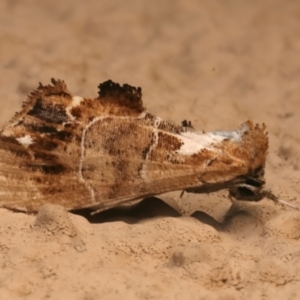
82,156
25,140
76,100
194,142
143,171
155,132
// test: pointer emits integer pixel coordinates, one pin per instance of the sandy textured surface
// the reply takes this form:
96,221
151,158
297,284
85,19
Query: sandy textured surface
216,63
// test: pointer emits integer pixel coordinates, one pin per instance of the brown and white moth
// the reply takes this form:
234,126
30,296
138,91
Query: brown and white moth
102,152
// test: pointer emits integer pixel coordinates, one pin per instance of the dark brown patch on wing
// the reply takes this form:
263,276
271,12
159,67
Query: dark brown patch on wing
51,113
41,128
52,169
45,97
125,95
49,133
187,124
76,112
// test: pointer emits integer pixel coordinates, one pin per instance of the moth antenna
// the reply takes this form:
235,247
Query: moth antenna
288,204
182,193
271,196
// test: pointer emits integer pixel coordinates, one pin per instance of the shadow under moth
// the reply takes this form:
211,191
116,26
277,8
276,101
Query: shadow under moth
103,152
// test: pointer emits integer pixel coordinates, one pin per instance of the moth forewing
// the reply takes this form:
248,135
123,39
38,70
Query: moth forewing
102,152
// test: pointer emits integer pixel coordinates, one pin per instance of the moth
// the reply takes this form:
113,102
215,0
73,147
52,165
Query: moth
103,152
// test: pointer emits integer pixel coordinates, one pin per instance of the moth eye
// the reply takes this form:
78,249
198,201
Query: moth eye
246,192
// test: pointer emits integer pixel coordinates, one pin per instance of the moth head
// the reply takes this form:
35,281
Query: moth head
250,188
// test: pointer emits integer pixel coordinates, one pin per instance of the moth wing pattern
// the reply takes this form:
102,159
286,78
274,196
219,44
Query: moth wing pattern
102,152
